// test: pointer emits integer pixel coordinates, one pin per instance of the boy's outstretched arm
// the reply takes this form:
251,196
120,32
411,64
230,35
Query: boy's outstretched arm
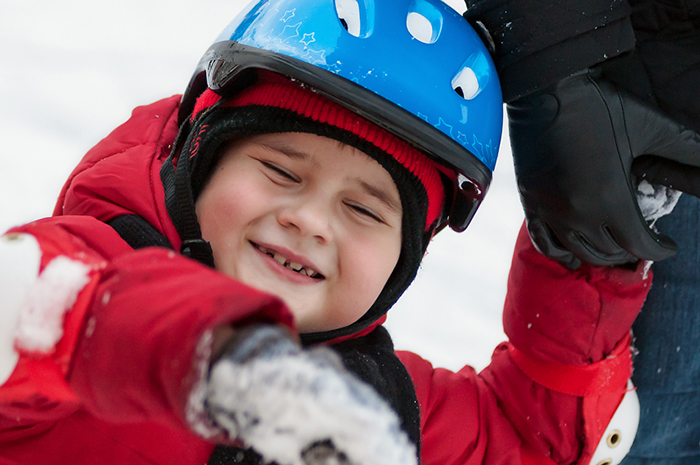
104,343
125,339
550,393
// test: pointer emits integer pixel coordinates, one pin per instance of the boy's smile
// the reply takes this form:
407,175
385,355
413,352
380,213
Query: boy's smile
307,218
285,260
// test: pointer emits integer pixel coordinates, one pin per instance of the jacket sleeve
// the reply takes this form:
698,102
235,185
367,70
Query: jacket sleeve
551,391
537,43
125,334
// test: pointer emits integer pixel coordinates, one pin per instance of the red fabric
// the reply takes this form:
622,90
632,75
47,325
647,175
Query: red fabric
530,457
604,376
595,409
543,296
132,156
502,415
147,305
133,351
274,90
45,375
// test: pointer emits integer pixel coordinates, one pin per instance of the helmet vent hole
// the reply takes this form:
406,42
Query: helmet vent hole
466,84
424,22
420,28
353,16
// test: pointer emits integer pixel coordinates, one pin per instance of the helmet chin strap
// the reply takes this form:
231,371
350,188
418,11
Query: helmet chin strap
180,201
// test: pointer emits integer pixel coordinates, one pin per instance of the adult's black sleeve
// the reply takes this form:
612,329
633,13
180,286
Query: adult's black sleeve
538,42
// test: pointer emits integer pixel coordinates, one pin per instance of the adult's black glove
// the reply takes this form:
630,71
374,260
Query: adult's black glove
574,145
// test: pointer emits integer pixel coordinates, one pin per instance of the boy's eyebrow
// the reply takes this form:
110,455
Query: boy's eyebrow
380,194
286,150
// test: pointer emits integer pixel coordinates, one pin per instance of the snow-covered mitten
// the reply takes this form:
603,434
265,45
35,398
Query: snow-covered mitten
299,406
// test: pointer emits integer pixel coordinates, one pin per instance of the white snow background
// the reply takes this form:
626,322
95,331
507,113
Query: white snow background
72,70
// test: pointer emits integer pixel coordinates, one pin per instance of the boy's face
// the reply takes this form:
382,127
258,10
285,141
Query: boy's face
277,203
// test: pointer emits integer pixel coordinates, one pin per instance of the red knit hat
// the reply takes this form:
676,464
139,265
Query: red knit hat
272,90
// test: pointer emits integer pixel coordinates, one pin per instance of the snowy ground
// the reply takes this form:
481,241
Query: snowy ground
71,71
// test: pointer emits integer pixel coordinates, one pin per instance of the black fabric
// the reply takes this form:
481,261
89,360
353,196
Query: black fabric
372,359
649,47
137,232
218,125
227,455
539,42
179,200
664,68
681,177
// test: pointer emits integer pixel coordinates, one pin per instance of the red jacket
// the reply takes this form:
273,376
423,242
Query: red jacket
113,389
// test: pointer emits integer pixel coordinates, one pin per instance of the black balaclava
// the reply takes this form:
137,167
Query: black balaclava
277,105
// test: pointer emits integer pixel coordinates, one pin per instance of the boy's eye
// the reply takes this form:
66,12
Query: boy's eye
364,211
280,171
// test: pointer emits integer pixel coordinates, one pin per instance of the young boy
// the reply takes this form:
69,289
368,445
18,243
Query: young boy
301,178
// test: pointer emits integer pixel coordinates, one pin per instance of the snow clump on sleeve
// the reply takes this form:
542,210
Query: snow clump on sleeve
40,324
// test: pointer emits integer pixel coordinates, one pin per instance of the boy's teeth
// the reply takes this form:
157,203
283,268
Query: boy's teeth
298,267
295,266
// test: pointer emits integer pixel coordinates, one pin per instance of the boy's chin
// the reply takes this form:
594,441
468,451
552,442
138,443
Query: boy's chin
310,315
307,325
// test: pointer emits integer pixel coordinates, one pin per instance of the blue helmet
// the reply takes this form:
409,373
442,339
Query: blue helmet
413,67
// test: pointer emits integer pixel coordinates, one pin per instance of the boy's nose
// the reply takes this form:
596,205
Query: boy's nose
310,216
